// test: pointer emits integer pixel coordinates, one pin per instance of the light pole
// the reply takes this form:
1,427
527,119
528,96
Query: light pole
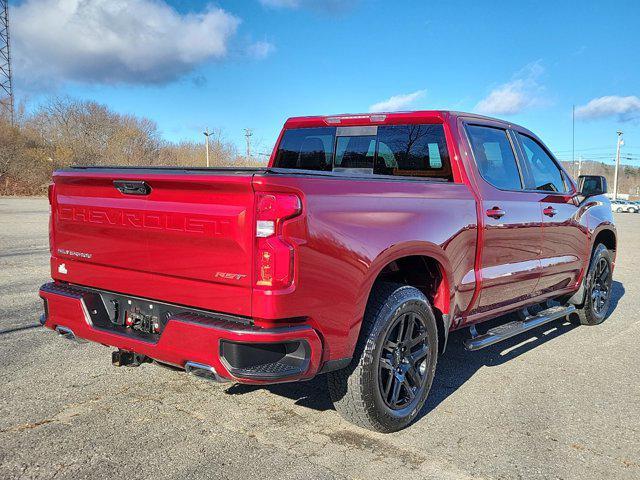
615,175
206,143
579,166
573,140
247,134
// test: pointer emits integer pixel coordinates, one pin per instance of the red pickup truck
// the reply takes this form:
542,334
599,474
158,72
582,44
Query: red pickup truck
366,240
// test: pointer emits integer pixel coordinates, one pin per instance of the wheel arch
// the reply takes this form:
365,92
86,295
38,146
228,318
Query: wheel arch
606,236
424,266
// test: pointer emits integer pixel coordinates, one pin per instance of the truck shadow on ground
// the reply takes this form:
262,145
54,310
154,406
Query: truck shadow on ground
455,366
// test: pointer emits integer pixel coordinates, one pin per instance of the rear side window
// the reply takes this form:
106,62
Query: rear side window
494,156
415,150
545,173
402,150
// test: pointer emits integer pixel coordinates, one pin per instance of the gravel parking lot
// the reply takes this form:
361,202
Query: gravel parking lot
561,402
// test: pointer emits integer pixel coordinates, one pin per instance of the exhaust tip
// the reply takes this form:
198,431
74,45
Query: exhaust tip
206,372
65,332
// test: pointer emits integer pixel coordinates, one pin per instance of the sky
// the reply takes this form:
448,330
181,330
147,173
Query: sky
190,65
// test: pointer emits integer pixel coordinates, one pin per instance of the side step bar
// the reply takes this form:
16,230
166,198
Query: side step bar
511,329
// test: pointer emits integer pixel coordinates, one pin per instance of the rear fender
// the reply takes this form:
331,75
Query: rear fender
444,294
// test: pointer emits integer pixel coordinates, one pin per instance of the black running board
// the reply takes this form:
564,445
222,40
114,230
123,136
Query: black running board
511,329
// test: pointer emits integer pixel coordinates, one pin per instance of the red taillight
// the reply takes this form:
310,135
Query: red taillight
50,192
274,255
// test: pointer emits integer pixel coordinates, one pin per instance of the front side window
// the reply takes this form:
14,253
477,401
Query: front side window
544,172
494,157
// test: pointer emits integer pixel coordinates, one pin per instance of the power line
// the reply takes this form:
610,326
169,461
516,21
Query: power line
567,151
6,80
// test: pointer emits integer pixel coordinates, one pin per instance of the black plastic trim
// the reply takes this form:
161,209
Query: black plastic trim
245,359
333,365
446,324
132,187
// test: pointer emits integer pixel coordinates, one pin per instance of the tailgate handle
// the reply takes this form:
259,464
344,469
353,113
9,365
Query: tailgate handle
132,187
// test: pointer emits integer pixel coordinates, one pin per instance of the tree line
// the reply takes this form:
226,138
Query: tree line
628,175
65,131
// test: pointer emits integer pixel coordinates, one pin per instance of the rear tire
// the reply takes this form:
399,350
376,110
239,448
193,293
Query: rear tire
387,383
597,297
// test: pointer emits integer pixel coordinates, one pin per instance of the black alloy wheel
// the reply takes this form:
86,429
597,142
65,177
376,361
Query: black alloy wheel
601,286
403,361
394,362
598,289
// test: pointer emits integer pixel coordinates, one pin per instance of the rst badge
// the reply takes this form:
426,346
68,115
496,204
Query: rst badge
229,276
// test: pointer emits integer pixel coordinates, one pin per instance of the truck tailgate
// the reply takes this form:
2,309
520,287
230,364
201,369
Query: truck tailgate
189,240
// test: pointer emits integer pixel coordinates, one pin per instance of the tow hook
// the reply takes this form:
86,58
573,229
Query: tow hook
124,358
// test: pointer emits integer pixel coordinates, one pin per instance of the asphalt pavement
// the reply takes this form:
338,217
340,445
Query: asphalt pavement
561,402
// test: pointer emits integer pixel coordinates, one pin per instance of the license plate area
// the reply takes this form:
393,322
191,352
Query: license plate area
109,310
140,318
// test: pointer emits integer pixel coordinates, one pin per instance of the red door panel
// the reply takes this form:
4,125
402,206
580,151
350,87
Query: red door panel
511,254
564,243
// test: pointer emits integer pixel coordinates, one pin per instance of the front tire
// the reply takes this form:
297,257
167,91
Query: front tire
387,383
597,297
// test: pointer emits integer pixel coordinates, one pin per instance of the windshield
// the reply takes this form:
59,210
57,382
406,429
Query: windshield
405,150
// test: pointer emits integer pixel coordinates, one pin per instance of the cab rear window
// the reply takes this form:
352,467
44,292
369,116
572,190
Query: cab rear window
417,150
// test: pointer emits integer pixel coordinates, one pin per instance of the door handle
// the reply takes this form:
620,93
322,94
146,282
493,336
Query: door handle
549,211
495,212
132,187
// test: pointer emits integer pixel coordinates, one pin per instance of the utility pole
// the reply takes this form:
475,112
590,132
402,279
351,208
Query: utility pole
206,144
247,134
615,176
573,140
6,80
579,165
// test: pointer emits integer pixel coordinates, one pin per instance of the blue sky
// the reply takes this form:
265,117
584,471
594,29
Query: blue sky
253,63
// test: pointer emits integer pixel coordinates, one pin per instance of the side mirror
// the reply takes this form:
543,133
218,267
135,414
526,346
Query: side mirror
590,185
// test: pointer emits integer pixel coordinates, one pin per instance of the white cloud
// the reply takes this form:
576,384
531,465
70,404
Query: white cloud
625,108
515,96
113,41
261,49
397,102
326,6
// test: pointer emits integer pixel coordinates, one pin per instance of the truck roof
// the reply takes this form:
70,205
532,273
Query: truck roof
384,118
